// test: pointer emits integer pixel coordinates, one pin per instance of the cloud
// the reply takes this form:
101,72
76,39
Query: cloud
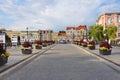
110,8
53,14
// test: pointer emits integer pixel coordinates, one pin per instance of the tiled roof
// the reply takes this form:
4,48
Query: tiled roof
77,28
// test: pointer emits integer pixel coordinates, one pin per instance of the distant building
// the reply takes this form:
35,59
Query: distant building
110,19
45,34
76,33
31,36
22,35
55,36
62,35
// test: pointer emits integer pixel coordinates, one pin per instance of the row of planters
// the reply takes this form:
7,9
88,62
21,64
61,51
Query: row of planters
3,54
27,47
104,47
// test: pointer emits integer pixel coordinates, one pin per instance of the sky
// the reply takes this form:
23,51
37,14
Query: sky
55,15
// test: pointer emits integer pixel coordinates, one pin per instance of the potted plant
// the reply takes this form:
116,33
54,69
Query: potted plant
26,48
91,45
44,43
84,44
3,54
80,42
38,44
105,48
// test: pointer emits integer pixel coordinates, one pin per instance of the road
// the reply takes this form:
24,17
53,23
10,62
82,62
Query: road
65,62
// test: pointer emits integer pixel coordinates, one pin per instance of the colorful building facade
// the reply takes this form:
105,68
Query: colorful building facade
45,34
110,19
76,33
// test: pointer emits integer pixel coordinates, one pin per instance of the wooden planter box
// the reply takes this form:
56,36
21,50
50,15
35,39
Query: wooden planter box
105,52
91,47
26,51
38,47
3,61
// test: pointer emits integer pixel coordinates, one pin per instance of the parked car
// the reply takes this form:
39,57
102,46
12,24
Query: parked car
62,42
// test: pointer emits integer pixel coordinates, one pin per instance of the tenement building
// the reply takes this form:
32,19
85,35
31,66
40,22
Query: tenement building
110,19
76,33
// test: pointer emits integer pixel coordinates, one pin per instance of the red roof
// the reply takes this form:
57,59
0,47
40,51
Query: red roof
81,27
69,28
62,34
77,28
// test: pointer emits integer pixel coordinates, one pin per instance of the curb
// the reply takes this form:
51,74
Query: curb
115,66
21,63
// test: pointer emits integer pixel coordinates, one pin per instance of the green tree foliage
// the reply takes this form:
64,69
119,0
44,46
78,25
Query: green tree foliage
96,32
111,32
8,40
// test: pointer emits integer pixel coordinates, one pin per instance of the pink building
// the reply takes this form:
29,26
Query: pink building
110,19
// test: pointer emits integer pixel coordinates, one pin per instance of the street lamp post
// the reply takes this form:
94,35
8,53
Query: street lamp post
106,37
86,34
40,36
27,32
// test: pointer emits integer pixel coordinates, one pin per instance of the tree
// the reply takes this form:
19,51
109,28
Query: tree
96,32
111,31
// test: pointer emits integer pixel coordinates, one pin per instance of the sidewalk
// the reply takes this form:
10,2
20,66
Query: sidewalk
16,55
114,57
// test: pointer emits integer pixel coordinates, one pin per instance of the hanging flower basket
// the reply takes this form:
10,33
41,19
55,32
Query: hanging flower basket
105,48
26,48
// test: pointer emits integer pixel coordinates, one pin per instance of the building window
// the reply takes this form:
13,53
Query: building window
118,27
109,20
118,34
119,19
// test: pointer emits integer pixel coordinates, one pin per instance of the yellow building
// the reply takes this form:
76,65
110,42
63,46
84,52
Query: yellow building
10,33
30,35
24,35
55,36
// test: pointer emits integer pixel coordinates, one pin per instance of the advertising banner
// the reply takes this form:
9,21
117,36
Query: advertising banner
23,38
2,38
14,38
